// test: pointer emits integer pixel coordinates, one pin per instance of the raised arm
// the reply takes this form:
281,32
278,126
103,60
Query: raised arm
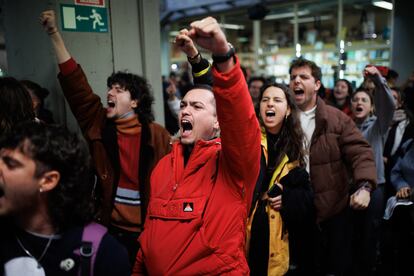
48,21
85,105
208,34
240,133
200,67
383,100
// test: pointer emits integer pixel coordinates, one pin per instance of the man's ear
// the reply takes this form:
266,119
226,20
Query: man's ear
216,125
49,180
134,103
317,85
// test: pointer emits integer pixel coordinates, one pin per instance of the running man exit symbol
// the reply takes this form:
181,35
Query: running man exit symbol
96,19
84,19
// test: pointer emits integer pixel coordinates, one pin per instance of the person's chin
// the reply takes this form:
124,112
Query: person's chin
299,101
301,105
187,141
360,117
110,115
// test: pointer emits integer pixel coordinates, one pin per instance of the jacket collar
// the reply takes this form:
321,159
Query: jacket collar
202,152
321,117
282,168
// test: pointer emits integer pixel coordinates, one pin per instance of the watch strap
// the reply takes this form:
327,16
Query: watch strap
223,58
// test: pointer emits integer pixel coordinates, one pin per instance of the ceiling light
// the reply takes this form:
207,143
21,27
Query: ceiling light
311,19
383,4
285,15
232,26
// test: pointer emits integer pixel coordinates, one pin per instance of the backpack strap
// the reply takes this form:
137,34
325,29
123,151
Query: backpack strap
91,238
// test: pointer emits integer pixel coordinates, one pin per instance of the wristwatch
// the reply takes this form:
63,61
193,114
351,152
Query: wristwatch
223,58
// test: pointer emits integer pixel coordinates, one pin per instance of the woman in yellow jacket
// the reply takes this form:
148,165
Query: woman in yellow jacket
282,163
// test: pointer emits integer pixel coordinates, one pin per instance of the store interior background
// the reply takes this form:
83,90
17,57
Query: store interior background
341,36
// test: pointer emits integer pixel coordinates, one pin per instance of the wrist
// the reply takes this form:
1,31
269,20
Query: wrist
223,50
194,59
52,31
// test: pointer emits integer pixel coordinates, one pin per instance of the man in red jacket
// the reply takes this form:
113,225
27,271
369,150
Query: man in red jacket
201,191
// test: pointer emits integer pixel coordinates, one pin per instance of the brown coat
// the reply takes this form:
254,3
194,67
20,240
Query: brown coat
339,158
91,116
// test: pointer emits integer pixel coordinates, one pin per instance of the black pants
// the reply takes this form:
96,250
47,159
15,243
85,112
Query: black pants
302,249
333,245
398,243
128,239
366,236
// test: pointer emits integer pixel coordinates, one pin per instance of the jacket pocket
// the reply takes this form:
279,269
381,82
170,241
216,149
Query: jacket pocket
200,258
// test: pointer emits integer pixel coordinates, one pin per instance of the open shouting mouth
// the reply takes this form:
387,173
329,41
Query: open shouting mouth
187,128
270,113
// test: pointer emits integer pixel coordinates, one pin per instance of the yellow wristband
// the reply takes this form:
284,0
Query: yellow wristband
202,72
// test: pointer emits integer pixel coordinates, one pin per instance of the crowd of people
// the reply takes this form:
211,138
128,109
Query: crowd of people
248,177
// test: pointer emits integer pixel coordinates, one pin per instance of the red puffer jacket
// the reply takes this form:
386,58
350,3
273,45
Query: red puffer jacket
197,214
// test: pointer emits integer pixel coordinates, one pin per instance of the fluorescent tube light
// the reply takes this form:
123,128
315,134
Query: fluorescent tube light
383,4
285,15
232,26
311,19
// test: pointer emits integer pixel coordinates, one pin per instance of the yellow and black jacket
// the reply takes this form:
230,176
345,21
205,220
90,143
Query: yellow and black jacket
297,211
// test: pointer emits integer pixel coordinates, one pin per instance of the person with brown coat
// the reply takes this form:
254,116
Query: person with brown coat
341,166
124,142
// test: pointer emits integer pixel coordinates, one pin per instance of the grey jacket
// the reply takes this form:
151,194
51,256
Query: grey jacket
375,128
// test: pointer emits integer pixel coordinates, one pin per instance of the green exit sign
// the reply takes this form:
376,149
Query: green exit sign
84,19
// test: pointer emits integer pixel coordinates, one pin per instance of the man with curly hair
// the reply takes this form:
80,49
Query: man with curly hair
124,142
45,192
